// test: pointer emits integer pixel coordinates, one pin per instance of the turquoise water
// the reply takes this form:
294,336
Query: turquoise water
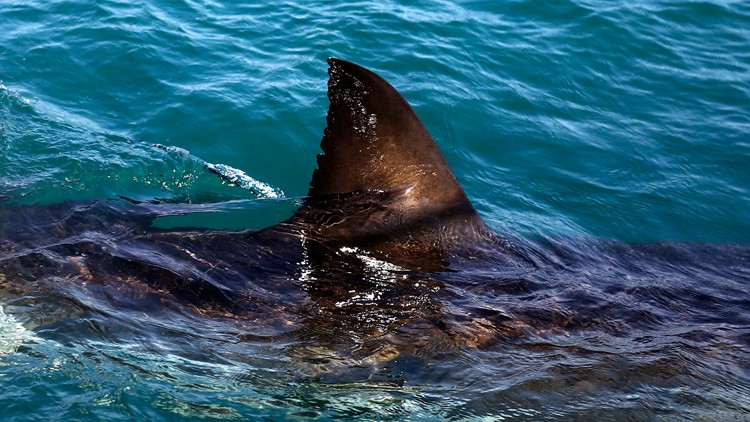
571,119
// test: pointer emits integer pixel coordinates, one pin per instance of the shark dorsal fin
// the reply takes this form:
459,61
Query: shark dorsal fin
375,142
382,183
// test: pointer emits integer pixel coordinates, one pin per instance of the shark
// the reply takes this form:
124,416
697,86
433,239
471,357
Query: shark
385,257
383,207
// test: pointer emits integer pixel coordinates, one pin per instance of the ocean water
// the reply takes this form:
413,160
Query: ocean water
563,121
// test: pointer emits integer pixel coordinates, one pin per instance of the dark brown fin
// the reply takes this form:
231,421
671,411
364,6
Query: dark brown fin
382,183
375,142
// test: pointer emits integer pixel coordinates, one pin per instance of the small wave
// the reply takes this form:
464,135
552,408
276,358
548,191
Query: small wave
14,94
233,176
241,179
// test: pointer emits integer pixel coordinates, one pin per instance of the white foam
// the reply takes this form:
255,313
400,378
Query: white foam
241,179
14,94
233,176
13,334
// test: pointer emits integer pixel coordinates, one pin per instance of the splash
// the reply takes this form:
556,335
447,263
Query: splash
13,334
14,94
239,178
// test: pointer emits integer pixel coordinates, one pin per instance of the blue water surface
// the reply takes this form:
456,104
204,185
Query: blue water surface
626,121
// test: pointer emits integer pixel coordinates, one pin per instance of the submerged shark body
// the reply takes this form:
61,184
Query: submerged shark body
385,257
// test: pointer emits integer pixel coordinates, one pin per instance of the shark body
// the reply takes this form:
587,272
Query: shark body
386,256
